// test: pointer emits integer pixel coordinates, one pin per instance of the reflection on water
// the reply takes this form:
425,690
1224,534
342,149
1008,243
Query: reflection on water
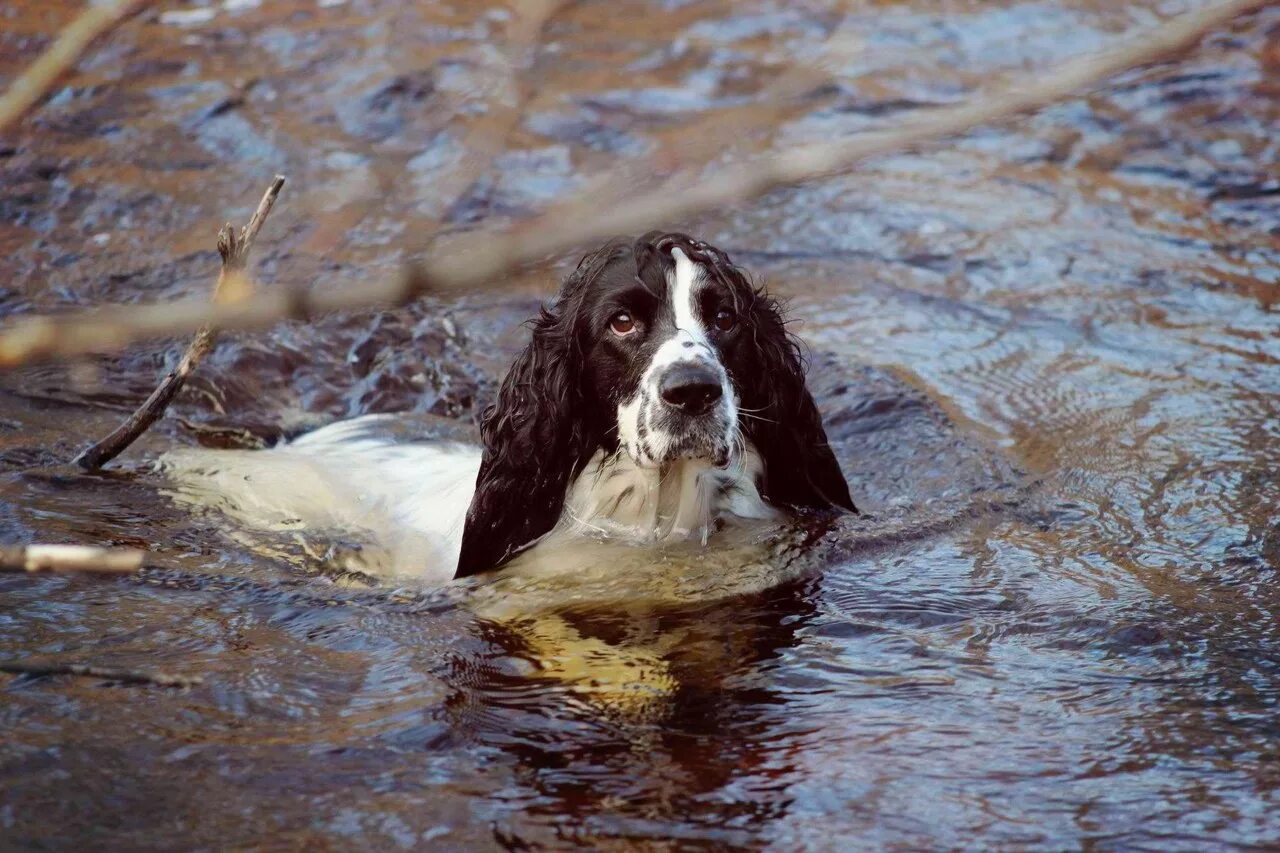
1048,359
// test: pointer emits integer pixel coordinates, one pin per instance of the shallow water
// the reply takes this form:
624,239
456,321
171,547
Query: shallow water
1047,357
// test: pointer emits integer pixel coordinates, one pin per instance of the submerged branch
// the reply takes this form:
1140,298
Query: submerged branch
70,558
34,83
235,256
125,676
483,259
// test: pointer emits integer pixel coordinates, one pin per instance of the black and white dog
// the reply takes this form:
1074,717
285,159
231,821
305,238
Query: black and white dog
659,398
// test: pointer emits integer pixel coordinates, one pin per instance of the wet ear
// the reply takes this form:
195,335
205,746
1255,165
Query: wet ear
539,434
800,469
534,443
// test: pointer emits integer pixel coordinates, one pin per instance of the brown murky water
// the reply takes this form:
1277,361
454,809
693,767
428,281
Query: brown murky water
1048,357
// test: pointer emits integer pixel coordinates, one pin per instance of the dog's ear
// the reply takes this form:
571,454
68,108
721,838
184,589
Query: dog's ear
784,424
539,434
533,445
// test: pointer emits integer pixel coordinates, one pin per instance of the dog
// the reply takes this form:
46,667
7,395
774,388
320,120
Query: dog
660,399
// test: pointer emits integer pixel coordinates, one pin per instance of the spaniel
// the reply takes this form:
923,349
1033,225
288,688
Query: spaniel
659,399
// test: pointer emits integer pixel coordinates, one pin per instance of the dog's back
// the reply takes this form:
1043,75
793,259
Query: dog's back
402,502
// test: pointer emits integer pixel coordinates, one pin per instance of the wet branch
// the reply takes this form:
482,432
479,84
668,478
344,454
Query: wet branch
481,260
235,256
70,558
34,83
125,676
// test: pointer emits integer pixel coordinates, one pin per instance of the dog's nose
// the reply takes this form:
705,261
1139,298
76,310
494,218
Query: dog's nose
691,388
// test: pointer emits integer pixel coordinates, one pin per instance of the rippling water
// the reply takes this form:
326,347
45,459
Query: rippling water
1047,356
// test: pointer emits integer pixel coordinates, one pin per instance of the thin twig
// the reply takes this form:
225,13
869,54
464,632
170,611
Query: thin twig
70,558
125,676
34,83
235,256
483,259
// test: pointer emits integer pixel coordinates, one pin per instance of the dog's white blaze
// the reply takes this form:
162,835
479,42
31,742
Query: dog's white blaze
690,341
684,297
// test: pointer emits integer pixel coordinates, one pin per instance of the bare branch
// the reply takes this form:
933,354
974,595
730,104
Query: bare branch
714,133
481,260
34,83
70,558
126,676
250,232
485,138
235,256
489,134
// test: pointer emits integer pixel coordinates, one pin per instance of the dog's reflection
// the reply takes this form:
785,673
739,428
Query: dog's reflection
639,713
627,630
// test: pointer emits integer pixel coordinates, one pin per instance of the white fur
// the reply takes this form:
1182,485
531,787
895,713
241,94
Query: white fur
685,499
629,427
405,503
684,292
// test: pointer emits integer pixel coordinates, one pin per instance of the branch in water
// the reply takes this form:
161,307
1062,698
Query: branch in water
70,558
235,256
482,260
126,676
34,83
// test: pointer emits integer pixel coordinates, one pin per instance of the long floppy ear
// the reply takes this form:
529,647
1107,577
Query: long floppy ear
539,434
533,445
799,468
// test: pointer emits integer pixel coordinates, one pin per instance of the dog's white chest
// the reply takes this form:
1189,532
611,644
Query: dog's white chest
685,499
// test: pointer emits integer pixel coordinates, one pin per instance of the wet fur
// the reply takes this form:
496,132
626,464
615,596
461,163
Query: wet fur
557,407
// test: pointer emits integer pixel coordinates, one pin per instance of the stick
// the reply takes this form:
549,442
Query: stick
34,83
127,676
235,255
481,260
70,558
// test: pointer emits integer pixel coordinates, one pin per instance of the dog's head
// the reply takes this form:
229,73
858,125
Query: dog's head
658,348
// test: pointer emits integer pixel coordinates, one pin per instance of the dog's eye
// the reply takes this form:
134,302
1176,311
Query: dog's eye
724,320
622,324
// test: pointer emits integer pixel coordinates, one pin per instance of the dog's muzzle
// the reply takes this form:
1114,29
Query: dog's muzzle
693,414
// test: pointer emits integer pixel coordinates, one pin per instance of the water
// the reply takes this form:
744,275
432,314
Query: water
1047,356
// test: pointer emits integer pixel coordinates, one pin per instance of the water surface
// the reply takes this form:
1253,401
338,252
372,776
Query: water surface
1047,356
